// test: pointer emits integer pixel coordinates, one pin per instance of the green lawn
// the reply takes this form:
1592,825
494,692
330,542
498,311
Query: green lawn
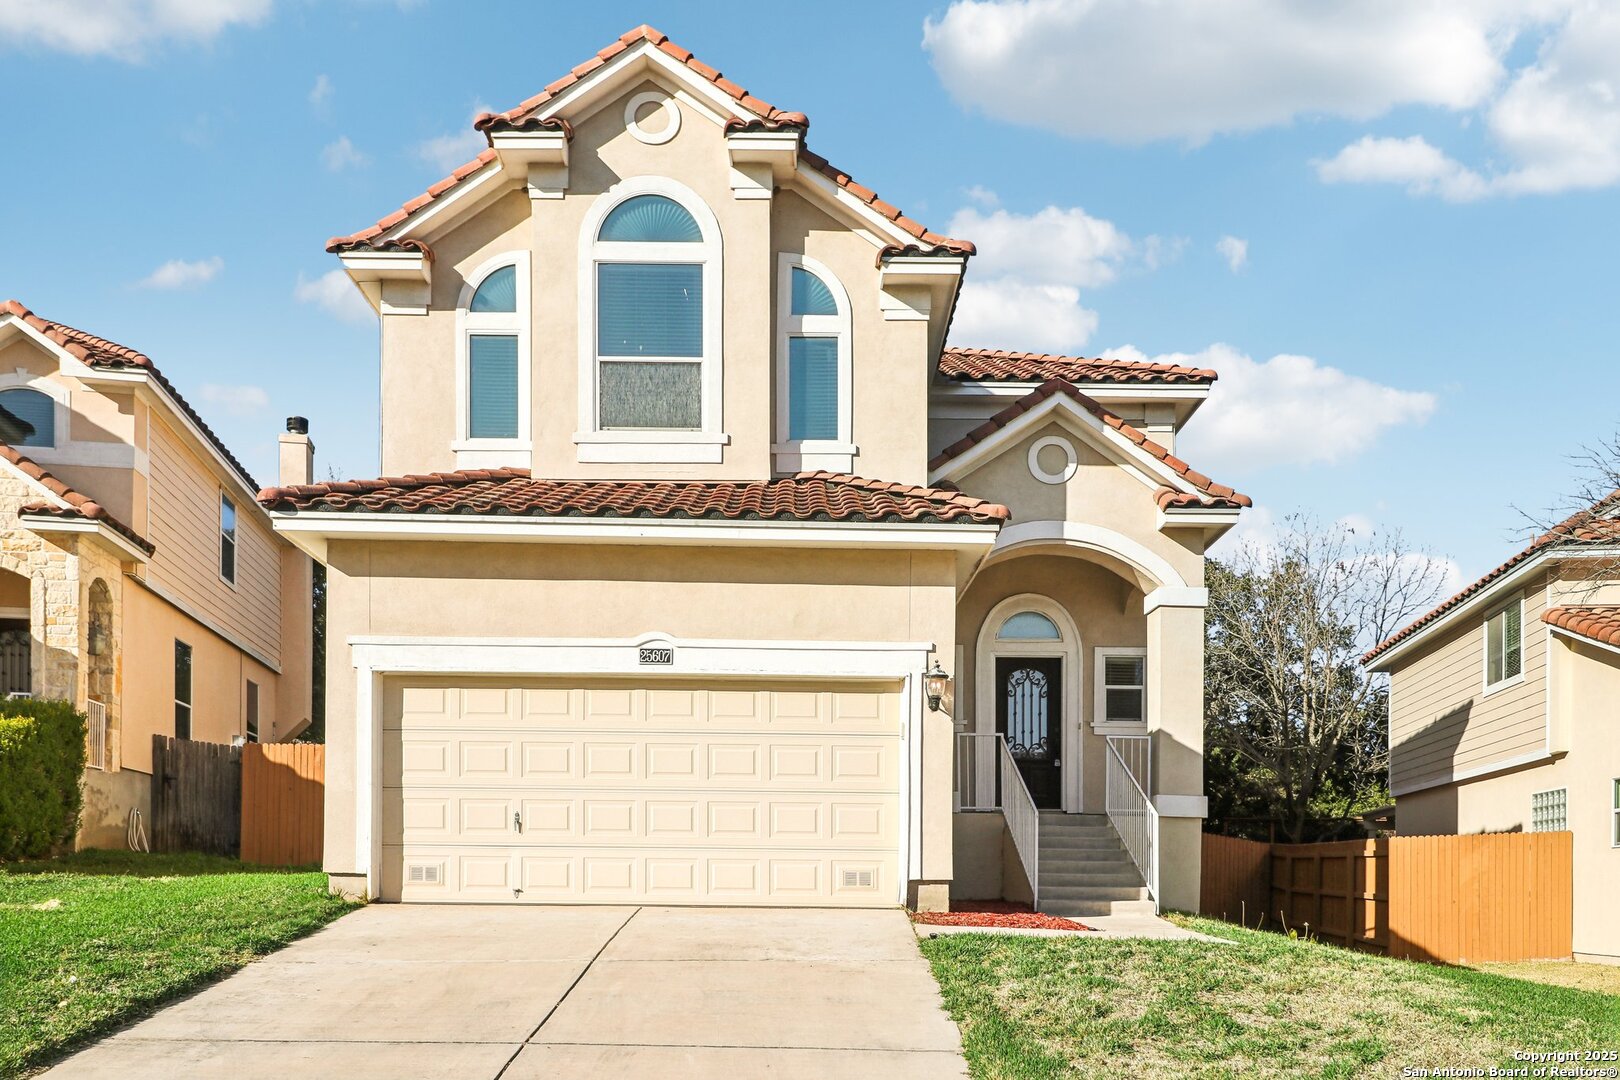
1264,1005
93,940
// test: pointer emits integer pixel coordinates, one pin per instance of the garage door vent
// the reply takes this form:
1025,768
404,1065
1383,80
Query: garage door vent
857,879
423,874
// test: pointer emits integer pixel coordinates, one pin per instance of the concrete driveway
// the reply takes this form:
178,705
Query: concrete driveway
523,993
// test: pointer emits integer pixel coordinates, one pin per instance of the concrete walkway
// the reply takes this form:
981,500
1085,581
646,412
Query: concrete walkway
521,993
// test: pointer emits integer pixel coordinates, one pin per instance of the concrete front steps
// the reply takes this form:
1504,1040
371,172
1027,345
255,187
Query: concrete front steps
1085,870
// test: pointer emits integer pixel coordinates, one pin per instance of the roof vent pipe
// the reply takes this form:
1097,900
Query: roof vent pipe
298,425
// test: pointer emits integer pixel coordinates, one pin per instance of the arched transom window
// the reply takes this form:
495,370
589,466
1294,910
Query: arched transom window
813,368
27,418
493,382
1028,626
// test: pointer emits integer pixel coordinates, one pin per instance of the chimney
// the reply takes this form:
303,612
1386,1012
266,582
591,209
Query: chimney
297,454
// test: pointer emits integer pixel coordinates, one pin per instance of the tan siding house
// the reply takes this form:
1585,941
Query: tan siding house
120,589
702,571
1493,730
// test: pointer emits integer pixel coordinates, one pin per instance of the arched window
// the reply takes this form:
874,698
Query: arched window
1028,626
27,418
650,285
493,381
813,368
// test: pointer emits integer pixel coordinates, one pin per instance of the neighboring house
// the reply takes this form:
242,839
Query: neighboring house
138,577
1504,710
685,496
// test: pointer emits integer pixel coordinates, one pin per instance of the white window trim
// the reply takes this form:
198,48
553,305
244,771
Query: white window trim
835,455
485,453
191,692
236,541
1099,703
23,379
1485,649
1614,822
594,444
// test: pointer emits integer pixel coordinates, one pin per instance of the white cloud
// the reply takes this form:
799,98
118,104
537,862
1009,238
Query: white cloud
1234,250
1006,314
1424,169
180,274
1056,244
341,154
123,29
321,92
1189,69
1286,410
236,400
452,150
983,196
336,294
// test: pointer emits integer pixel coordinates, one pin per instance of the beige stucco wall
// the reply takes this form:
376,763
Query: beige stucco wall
891,359
440,590
1442,722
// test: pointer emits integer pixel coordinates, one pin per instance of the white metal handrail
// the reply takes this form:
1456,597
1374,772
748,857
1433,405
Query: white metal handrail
1130,810
987,778
96,752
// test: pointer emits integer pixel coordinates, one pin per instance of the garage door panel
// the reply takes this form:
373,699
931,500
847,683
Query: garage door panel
744,876
616,792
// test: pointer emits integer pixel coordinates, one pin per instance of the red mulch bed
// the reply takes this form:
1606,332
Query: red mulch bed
996,913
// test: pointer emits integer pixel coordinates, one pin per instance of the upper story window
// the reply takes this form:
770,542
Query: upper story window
650,377
493,380
27,418
813,368
227,540
1504,645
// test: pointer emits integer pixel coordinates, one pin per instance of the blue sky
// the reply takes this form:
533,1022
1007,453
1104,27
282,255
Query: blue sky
1425,204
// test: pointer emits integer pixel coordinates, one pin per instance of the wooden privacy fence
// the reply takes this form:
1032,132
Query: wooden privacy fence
1453,899
283,803
196,796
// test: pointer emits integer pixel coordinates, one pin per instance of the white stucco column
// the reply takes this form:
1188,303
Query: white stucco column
1175,716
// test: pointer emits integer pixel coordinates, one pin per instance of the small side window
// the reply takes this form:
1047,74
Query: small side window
227,540
1549,810
252,711
1615,836
182,690
1504,645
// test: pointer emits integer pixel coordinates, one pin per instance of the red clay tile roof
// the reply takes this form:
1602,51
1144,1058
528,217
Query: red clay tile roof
813,496
999,365
109,355
79,506
1213,495
1599,623
762,115
1585,527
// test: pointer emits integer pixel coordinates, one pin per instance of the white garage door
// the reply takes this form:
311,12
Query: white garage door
628,793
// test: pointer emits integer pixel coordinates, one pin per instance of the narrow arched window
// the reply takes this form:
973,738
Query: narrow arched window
652,262
27,418
814,368
493,381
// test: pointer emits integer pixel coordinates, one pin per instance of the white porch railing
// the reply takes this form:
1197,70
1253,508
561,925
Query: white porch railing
987,778
1130,809
96,751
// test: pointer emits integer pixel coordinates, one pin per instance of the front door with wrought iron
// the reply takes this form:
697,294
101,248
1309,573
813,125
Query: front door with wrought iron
1029,712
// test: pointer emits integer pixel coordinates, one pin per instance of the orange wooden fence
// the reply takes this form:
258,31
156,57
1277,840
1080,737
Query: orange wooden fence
1453,899
283,803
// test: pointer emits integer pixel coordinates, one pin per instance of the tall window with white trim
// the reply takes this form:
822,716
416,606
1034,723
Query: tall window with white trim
227,540
650,347
813,368
1614,835
493,329
1504,645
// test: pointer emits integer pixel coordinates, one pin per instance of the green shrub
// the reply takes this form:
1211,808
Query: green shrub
41,765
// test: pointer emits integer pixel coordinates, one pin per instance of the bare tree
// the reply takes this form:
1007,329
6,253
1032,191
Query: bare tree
1298,724
1586,515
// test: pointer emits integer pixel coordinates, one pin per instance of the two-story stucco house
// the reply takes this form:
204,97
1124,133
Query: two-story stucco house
1504,712
139,579
703,572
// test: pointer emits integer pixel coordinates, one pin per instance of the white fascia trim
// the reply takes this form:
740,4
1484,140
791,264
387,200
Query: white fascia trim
45,523
365,265
342,525
1535,757
1175,596
465,196
887,232
206,623
1489,596
1151,472
974,390
1198,518
1095,538
1581,639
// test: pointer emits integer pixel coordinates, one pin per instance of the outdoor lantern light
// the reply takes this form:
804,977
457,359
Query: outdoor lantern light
934,683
